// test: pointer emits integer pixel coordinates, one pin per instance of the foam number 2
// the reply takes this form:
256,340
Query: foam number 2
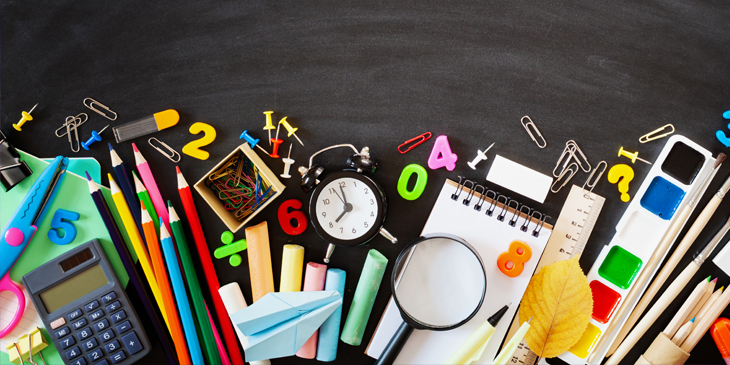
192,149
441,155
405,176
286,216
512,262
62,221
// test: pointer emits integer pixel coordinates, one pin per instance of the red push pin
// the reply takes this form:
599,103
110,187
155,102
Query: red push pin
276,141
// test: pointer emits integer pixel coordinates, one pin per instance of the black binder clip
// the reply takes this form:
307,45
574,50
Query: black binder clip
12,170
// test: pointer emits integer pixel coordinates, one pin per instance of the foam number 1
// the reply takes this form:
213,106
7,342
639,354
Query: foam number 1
62,221
512,262
286,216
441,155
192,149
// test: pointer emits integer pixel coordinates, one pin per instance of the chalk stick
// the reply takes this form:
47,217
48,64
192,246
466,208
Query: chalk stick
313,281
364,298
292,262
233,300
329,333
259,260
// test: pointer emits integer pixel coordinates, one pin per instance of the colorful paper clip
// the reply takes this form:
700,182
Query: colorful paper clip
415,142
527,128
657,133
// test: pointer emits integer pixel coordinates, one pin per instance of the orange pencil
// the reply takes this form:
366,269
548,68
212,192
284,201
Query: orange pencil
158,265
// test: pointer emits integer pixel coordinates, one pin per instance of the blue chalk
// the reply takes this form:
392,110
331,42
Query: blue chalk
329,333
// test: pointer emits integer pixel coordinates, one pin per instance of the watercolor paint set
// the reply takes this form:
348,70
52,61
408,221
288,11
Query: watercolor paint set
674,177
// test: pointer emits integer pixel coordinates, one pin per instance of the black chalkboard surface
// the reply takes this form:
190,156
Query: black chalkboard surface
376,74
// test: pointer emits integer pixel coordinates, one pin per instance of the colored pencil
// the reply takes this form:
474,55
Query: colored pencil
702,302
687,307
710,302
149,182
218,342
118,242
158,263
201,246
181,295
144,198
702,325
683,332
126,184
201,314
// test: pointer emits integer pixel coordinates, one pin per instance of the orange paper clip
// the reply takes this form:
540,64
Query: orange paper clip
415,142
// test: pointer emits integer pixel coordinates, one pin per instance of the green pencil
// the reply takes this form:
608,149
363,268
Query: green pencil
201,313
144,197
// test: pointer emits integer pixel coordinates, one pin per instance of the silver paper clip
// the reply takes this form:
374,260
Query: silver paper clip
577,149
72,126
89,103
527,128
79,120
657,133
588,182
565,157
168,152
572,169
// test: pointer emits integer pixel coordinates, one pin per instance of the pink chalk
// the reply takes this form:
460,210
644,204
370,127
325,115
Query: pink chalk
314,278
441,155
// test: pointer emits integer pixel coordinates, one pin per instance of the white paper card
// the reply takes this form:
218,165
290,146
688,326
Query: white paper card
520,179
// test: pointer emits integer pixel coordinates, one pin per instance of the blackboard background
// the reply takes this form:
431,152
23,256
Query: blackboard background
376,74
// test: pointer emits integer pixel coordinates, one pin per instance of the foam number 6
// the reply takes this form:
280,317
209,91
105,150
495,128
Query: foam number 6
512,262
286,216
62,221
192,149
405,176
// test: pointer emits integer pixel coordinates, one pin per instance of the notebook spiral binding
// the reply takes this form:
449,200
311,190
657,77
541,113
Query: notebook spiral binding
492,197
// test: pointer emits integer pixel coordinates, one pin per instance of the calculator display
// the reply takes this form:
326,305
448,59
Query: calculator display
76,287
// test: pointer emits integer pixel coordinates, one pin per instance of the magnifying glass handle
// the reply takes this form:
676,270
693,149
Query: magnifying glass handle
391,351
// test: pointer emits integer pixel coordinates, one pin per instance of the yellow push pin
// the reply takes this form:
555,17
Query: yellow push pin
269,125
26,117
290,129
632,156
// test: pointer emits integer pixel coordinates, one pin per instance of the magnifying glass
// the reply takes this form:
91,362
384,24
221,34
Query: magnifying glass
438,284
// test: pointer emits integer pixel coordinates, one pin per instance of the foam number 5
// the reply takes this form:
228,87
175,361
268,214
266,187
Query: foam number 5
512,262
192,149
62,221
286,216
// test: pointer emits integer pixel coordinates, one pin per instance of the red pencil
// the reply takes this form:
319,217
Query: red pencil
210,277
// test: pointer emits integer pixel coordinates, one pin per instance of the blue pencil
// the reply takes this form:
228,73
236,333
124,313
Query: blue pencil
181,295
127,189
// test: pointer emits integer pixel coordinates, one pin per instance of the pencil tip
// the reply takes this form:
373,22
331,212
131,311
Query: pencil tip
708,278
177,168
722,288
134,147
110,146
693,319
720,158
88,177
714,280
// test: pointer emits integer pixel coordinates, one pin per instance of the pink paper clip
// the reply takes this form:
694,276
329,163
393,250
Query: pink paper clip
416,141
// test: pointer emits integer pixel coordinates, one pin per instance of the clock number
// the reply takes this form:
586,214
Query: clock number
372,202
372,214
288,211
366,191
342,229
366,224
326,202
332,191
331,225
342,184
324,214
353,230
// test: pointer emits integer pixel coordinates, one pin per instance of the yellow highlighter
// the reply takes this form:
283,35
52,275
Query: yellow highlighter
509,349
153,123
473,348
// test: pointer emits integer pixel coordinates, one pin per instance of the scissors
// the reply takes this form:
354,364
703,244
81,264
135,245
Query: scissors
23,225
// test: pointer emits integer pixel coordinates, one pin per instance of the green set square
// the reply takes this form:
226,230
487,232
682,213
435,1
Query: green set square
620,267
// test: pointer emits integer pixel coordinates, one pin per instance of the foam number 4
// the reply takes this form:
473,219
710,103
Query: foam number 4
405,176
441,155
512,262
192,149
62,222
286,216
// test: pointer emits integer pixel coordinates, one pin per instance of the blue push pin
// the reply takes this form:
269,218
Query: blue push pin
94,137
253,142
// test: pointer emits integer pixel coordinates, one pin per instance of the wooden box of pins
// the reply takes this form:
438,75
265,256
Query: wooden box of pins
266,182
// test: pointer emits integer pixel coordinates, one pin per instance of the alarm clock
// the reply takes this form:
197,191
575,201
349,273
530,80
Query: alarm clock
347,208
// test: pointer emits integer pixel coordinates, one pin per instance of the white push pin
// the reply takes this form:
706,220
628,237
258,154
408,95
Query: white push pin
287,164
481,156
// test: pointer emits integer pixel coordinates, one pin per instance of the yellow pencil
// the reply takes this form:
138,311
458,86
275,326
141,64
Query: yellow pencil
137,244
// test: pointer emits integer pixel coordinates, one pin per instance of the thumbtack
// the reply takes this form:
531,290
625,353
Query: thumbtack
481,156
269,125
277,142
253,142
94,138
26,117
287,164
290,129
632,156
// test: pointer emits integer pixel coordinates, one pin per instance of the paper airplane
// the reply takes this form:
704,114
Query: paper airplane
279,324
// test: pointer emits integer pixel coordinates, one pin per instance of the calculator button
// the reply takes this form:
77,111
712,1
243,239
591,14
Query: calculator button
131,342
109,297
62,332
80,323
67,342
101,325
84,334
70,354
114,306
116,317
106,336
90,344
102,362
124,327
74,315
96,315
112,346
80,361
91,306
95,355
58,323
119,356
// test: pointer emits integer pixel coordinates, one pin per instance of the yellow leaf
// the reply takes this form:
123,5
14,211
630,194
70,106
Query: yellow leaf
560,303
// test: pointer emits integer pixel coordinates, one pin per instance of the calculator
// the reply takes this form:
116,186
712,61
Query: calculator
85,309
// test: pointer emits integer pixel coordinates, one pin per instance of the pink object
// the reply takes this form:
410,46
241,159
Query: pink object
8,285
14,236
314,278
222,349
441,155
149,182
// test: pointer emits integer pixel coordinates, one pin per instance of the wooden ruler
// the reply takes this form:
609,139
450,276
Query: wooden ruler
569,238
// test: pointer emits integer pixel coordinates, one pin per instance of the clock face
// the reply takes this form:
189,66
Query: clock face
348,207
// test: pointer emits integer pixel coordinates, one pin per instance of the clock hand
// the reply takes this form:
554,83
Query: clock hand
343,195
338,196
341,215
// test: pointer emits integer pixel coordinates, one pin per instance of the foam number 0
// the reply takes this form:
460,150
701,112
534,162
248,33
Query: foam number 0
62,221
441,155
286,216
192,149
512,262
405,176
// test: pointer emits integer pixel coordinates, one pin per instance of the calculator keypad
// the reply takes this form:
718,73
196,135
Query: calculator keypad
106,336
62,332
112,346
78,324
79,361
108,297
95,355
70,354
90,344
92,306
67,342
119,356
118,316
74,315
124,327
101,325
114,306
84,334
131,342
96,315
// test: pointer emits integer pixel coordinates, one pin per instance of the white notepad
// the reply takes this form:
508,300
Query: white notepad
490,237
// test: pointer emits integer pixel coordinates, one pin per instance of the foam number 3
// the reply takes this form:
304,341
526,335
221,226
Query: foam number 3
62,221
441,155
512,262
192,149
286,216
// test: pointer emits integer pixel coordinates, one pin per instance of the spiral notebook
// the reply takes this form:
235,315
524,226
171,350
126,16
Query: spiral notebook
489,222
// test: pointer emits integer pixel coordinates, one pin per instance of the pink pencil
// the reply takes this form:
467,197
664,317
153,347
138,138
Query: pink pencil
314,278
149,182
221,348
